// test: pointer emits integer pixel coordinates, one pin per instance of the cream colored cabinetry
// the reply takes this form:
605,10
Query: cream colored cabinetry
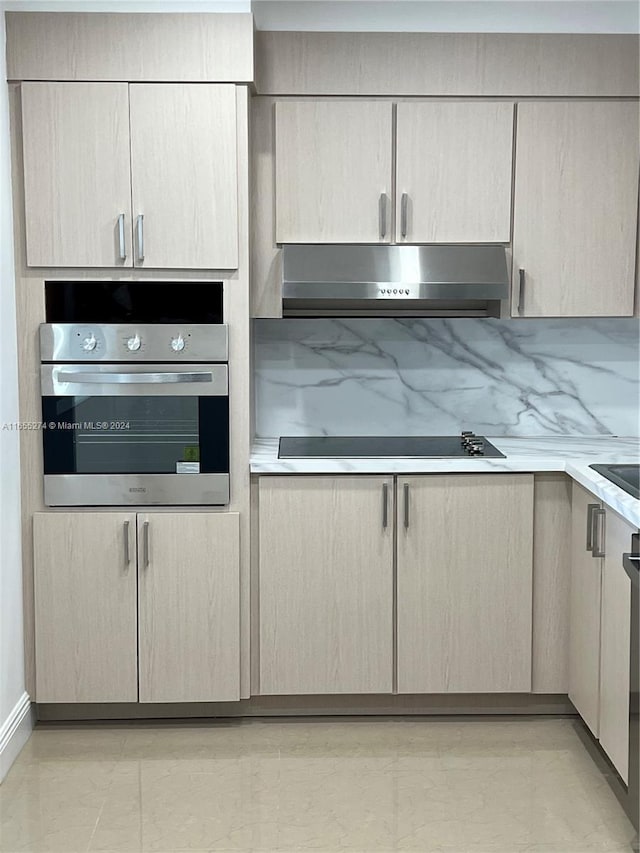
600,624
326,585
575,209
551,582
586,576
453,174
77,178
465,583
184,173
92,150
189,610
615,644
106,582
85,606
333,171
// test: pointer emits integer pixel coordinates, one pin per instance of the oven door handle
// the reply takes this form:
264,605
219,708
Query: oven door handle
132,378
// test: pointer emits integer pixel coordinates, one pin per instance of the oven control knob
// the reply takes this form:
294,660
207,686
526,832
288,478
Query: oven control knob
177,344
89,343
134,343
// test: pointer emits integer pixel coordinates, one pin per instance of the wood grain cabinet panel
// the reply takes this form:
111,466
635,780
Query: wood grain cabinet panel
333,164
77,177
584,637
615,659
325,585
85,606
465,583
575,209
551,583
189,610
454,164
184,173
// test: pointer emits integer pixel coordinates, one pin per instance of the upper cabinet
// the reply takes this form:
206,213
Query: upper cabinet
184,174
575,209
453,173
77,177
333,171
142,175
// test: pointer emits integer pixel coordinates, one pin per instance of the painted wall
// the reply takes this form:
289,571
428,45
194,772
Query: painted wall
484,16
13,700
437,377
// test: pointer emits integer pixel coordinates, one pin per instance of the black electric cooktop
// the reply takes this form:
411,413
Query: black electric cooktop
376,446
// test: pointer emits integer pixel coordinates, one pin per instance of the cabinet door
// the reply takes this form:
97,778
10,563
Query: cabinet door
184,174
615,645
77,179
326,585
454,165
333,172
465,545
189,610
584,633
85,606
575,209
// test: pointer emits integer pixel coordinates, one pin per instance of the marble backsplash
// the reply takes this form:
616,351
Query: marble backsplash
576,377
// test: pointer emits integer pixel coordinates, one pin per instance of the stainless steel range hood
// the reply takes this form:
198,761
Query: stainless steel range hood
393,281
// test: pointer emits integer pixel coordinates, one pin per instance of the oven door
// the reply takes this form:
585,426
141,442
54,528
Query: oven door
135,434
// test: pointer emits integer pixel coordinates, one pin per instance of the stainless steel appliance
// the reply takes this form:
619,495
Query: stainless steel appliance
627,477
421,281
134,413
394,446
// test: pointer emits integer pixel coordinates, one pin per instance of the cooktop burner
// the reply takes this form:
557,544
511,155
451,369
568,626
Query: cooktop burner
376,446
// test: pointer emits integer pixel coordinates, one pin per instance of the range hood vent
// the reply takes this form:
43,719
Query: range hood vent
393,281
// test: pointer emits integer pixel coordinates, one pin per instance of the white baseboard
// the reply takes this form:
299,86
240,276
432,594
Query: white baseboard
14,733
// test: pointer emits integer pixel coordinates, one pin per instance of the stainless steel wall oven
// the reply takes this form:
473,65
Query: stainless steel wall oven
135,394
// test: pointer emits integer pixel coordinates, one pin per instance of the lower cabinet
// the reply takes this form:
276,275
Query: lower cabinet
461,546
326,585
586,578
85,607
465,563
600,624
108,584
189,607
615,645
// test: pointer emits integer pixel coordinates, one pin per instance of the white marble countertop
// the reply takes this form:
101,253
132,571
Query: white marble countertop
549,453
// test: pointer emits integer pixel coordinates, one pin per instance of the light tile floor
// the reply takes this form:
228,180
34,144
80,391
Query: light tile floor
364,786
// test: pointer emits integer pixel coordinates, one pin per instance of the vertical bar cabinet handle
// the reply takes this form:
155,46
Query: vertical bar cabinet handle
121,241
127,554
590,510
382,214
145,537
385,506
406,504
140,230
403,214
598,546
521,283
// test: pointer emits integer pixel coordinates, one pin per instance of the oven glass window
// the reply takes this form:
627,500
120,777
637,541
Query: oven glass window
135,435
